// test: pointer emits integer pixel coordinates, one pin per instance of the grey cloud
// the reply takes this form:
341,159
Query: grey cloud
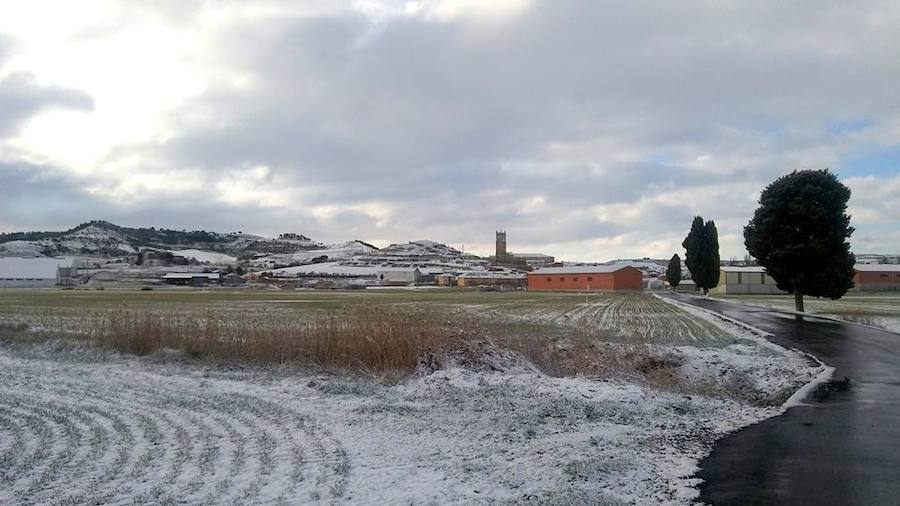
454,123
21,96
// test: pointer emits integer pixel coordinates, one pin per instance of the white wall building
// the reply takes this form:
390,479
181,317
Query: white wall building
745,280
38,272
399,277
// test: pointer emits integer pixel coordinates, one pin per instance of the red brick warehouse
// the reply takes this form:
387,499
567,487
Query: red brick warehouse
593,278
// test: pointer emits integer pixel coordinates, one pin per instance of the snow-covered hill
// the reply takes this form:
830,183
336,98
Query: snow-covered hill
106,240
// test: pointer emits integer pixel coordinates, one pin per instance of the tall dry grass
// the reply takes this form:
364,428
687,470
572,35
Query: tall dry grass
380,340
357,337
389,342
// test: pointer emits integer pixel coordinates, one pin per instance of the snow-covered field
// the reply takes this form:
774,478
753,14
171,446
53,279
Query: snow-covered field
79,425
628,315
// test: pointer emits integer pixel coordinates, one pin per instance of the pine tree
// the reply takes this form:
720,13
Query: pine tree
800,234
673,272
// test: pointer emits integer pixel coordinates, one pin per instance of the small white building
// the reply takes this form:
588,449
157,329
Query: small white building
685,286
41,272
399,277
745,280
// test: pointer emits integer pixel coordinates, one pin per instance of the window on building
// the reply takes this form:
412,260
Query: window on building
740,281
591,279
575,278
562,279
884,275
549,279
762,278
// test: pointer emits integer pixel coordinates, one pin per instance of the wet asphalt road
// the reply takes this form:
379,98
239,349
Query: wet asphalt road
842,447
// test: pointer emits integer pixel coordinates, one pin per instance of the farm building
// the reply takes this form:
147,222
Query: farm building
38,272
877,277
586,278
399,277
686,286
745,280
491,278
445,279
192,278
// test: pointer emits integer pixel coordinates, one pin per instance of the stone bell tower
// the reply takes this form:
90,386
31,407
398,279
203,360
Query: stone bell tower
500,254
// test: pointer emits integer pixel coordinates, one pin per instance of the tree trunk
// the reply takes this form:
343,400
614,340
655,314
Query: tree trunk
798,300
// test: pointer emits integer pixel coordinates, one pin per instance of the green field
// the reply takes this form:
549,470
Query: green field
631,316
877,309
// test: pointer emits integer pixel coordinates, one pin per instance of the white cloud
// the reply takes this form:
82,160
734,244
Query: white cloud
588,130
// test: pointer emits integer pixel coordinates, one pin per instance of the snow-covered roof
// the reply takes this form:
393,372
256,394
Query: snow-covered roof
491,275
191,275
328,268
877,267
206,256
32,268
582,269
732,268
532,255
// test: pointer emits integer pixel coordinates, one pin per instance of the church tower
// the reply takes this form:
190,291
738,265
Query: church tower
500,254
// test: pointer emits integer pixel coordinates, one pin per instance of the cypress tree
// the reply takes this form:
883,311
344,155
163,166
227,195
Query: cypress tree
692,245
673,272
800,234
702,253
711,260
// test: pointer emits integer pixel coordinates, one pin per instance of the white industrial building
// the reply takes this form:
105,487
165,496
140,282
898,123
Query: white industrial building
399,277
745,280
39,272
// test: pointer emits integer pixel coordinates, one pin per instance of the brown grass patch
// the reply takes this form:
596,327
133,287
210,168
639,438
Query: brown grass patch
386,341
362,337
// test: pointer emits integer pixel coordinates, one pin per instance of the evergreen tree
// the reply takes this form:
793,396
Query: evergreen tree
800,234
711,261
673,272
702,253
693,245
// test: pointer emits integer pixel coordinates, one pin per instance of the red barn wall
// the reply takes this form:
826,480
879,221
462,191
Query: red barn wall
628,278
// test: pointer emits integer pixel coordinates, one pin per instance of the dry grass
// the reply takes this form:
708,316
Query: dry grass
377,339
388,342
359,337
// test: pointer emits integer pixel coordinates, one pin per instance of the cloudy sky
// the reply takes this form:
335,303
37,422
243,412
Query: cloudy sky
588,129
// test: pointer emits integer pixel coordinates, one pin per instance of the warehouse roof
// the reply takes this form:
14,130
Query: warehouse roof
32,268
191,275
733,268
492,275
582,269
877,267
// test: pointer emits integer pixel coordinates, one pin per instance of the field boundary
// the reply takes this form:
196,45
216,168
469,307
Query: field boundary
799,313
797,398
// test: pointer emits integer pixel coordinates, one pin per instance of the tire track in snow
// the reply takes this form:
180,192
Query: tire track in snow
73,437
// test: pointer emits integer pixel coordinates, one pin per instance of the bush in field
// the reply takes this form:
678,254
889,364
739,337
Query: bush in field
800,235
702,258
673,272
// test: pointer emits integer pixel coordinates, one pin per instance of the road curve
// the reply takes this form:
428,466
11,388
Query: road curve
842,446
